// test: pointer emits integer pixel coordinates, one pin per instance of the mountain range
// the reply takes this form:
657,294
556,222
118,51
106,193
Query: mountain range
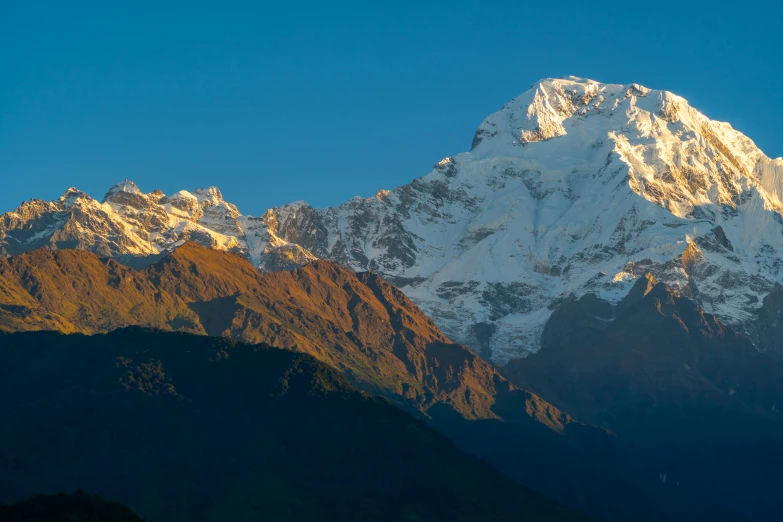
589,300
574,187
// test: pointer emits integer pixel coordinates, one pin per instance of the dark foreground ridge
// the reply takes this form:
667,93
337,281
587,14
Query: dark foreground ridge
189,428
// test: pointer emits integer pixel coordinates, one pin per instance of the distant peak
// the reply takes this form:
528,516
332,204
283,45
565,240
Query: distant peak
71,196
125,186
297,204
71,193
209,192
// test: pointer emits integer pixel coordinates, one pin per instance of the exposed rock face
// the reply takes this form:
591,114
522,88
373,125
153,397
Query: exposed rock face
573,187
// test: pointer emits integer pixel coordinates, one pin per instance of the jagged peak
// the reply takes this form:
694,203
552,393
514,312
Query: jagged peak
209,192
296,205
72,192
539,113
675,156
71,197
126,186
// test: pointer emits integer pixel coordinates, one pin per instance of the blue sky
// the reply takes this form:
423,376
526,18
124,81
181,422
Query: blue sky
323,101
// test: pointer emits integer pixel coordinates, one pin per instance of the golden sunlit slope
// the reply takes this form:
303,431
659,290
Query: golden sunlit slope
357,323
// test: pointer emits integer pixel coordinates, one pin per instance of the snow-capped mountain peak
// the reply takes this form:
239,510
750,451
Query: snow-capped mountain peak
211,194
71,196
574,186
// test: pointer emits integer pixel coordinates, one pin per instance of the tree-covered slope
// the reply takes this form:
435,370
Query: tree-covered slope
183,427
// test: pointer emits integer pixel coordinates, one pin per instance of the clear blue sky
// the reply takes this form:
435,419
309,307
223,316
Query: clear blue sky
322,101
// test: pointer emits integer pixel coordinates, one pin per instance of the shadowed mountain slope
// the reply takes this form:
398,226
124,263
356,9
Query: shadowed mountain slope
193,428
661,373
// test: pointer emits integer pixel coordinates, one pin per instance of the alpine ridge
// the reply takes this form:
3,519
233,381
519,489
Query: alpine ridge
574,187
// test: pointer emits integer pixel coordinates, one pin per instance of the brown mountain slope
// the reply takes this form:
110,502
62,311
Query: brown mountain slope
356,322
84,293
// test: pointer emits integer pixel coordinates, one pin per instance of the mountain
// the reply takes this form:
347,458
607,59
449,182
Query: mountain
659,371
368,330
192,428
573,187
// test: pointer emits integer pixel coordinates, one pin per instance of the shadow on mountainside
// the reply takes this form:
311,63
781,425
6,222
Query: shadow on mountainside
674,381
193,428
